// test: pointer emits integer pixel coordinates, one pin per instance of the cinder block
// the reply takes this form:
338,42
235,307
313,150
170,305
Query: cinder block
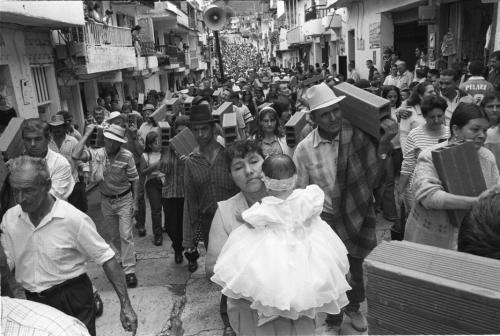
230,127
188,102
11,140
418,289
363,109
460,172
184,142
96,139
226,107
293,128
165,133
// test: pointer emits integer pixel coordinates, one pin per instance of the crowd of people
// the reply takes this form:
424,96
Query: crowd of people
283,222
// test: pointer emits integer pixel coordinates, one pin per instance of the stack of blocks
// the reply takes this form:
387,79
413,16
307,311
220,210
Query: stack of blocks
165,133
294,127
226,107
230,127
188,102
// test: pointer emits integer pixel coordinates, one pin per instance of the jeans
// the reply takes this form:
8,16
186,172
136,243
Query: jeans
117,215
153,190
174,207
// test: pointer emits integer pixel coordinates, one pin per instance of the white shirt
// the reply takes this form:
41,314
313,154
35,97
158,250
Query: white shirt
60,175
29,318
56,250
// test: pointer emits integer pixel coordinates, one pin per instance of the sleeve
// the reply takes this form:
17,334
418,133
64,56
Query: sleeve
6,248
132,169
409,155
299,160
240,121
247,116
217,238
62,179
190,210
90,243
427,186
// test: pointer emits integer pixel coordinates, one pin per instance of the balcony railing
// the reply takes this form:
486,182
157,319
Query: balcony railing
168,55
147,49
315,12
93,33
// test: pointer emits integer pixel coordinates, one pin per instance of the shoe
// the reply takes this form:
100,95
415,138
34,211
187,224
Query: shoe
131,280
99,306
158,241
358,321
178,257
142,232
228,331
192,258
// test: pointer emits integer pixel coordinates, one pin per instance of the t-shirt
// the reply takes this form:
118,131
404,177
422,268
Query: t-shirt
477,87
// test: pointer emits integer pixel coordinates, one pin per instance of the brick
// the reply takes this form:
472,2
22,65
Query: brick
226,107
184,142
293,128
165,133
188,102
11,141
230,127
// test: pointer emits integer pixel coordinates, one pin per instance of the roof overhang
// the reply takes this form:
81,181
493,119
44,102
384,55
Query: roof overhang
49,14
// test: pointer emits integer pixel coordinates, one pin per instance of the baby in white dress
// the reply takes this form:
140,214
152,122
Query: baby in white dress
286,260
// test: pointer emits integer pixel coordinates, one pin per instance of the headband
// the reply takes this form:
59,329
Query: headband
279,185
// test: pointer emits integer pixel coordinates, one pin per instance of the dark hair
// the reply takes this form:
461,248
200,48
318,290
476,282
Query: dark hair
449,72
234,95
476,68
418,91
35,125
495,54
281,104
66,115
127,107
479,233
421,72
388,88
199,99
262,114
464,113
351,81
490,97
279,167
150,138
433,72
369,60
241,148
431,102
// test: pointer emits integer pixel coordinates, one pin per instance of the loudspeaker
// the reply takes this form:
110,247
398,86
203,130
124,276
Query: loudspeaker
215,17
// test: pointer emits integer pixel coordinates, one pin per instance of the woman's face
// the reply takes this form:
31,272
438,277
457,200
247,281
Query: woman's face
268,123
392,96
246,172
404,95
474,130
429,90
156,145
492,108
435,118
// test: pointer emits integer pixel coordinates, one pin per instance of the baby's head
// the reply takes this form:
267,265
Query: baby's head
280,175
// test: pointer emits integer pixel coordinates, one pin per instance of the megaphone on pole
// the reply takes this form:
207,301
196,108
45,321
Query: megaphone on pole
215,17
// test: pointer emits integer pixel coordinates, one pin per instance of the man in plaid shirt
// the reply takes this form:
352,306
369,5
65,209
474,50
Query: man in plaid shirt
345,162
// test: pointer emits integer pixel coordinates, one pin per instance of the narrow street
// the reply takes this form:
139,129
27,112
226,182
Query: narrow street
168,300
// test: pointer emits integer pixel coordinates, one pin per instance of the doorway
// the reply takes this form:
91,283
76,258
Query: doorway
407,37
351,45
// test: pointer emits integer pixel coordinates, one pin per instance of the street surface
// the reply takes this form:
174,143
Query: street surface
169,301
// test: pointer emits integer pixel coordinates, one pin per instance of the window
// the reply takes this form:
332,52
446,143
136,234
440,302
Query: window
39,74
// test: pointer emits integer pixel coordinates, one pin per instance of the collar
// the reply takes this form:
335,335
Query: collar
56,212
476,78
270,142
317,139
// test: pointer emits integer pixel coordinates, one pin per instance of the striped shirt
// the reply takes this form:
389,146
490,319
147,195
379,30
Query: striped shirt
406,125
116,174
316,161
493,142
174,176
67,147
418,140
205,184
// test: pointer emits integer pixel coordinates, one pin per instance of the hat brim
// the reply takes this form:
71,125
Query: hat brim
111,136
328,103
201,122
57,123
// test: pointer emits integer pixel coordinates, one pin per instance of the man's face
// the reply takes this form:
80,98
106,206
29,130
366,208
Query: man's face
446,84
28,190
58,131
99,116
401,68
146,114
369,64
417,52
111,146
35,143
203,133
107,99
432,78
328,118
495,63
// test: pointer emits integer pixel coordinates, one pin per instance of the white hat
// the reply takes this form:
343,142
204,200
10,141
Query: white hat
115,132
320,96
113,115
286,79
236,88
56,120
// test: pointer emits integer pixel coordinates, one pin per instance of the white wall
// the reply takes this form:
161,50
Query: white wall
68,12
152,83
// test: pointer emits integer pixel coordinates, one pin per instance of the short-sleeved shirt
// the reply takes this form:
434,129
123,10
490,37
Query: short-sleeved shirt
117,174
478,88
56,250
62,182
67,147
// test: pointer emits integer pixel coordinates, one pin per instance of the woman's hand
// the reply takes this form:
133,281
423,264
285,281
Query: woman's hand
495,190
404,114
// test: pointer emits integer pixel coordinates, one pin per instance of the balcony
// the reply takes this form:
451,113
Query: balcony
296,36
315,12
97,48
169,57
321,26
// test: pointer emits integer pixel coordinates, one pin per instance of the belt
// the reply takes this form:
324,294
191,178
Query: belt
117,196
57,287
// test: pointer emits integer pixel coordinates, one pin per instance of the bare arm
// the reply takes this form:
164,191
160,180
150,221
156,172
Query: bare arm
78,152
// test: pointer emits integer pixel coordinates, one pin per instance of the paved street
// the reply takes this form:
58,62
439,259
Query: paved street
169,300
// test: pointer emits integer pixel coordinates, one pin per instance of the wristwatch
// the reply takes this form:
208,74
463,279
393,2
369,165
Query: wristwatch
383,156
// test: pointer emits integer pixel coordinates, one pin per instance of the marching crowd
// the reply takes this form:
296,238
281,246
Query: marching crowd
275,216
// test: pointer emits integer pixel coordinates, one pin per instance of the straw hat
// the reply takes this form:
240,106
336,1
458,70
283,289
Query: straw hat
56,120
116,133
320,96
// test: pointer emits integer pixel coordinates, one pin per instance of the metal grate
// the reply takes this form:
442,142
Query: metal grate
39,74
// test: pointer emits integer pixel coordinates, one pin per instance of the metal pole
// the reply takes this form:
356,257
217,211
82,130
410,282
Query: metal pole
219,55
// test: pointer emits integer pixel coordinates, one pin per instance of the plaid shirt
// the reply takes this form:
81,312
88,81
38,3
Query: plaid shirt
352,210
173,168
205,184
67,148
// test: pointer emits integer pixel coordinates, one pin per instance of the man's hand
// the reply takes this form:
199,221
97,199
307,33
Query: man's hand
390,128
86,177
128,318
404,114
89,129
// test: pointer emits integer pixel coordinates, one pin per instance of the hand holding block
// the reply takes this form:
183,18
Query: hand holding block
460,172
230,127
173,106
363,109
184,142
11,140
416,289
165,133
293,128
160,114
226,107
96,139
188,102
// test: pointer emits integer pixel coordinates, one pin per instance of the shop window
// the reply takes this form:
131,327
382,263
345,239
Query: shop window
39,75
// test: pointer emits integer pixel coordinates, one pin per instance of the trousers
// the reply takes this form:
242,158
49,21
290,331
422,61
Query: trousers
174,208
153,190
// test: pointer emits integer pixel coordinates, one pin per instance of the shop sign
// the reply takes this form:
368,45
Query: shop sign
111,77
374,35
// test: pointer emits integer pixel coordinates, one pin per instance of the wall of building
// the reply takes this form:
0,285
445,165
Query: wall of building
152,82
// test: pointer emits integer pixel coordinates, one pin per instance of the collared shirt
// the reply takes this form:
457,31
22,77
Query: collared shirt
174,176
391,80
353,74
29,318
478,88
205,184
452,105
144,130
316,161
271,147
60,175
54,251
405,80
67,147
114,177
